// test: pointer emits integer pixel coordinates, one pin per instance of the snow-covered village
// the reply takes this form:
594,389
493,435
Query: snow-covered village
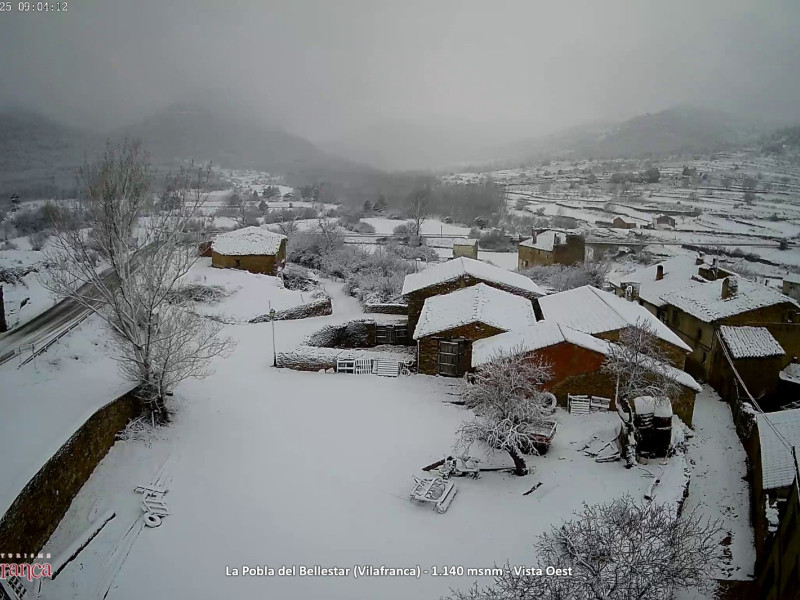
338,322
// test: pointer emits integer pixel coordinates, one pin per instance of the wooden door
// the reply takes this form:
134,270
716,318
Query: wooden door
449,358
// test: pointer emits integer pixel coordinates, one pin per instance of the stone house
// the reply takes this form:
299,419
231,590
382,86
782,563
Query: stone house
459,273
450,323
791,285
467,248
623,223
549,247
604,315
755,354
664,222
576,362
253,249
696,313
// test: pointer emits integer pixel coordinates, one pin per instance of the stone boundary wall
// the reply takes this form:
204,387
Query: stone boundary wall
43,502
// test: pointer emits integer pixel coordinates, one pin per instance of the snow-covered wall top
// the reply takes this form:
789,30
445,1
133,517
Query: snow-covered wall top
706,303
475,304
750,342
248,241
590,310
459,267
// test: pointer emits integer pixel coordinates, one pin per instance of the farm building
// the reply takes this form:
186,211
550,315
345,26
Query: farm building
604,315
623,223
696,313
550,247
647,285
460,273
576,360
664,222
450,323
755,354
467,248
253,249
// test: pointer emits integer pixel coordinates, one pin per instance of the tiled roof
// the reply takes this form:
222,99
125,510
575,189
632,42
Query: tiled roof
750,342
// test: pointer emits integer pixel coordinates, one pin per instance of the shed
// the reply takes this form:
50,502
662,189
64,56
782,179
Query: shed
465,247
253,249
450,323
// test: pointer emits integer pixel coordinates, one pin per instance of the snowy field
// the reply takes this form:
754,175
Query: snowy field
275,467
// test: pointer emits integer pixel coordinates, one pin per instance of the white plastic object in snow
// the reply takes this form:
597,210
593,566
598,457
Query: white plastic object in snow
435,491
151,520
549,403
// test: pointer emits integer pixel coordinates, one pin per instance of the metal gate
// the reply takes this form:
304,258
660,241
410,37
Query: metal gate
449,358
390,334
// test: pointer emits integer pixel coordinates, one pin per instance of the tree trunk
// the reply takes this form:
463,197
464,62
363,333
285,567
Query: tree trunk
3,324
520,468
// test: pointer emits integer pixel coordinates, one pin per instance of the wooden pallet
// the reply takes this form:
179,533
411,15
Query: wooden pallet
579,405
387,368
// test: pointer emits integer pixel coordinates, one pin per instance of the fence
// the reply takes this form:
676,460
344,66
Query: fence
43,348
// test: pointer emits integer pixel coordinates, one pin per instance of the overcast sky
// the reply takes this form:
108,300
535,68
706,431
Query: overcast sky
322,69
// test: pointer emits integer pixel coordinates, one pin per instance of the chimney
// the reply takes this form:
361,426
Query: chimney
715,262
700,259
533,234
659,272
730,287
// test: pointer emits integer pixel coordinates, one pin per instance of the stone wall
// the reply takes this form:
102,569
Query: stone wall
37,511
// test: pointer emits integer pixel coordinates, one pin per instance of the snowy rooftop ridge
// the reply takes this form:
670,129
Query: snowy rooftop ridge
792,277
477,303
547,333
777,463
677,275
706,303
248,241
592,311
461,267
750,342
545,240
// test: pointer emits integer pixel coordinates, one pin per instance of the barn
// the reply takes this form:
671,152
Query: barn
253,249
458,273
450,323
576,362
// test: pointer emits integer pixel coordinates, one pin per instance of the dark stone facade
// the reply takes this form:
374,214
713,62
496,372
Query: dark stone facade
268,264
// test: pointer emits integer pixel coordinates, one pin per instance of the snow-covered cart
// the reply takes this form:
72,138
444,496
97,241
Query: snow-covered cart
434,491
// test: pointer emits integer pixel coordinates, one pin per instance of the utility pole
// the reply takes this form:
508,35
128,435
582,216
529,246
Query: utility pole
274,352
3,323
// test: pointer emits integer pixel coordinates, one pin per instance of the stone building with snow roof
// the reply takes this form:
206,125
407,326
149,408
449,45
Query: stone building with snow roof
791,285
550,247
467,248
604,315
576,362
623,223
755,354
450,323
459,273
253,249
696,313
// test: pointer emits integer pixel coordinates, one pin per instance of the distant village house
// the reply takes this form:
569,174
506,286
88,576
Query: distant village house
253,249
549,247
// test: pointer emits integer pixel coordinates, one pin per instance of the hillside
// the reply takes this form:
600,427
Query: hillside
189,131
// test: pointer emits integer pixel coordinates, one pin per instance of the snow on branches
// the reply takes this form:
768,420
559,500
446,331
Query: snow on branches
509,406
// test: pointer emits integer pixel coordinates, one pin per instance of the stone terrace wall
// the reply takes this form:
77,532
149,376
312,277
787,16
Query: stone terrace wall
37,511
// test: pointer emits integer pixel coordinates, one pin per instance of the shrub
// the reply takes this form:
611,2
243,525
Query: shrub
496,240
38,239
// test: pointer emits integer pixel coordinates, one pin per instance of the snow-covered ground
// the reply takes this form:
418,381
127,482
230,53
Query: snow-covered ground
718,488
275,467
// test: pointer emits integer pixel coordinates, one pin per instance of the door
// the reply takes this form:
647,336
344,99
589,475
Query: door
449,358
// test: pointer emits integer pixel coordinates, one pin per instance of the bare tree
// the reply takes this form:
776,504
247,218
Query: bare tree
621,550
329,235
418,206
641,368
158,342
508,402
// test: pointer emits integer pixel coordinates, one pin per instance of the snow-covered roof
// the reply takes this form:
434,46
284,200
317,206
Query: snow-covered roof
594,311
791,373
706,303
471,242
475,304
248,241
750,342
548,333
537,336
678,273
792,277
546,240
461,267
777,464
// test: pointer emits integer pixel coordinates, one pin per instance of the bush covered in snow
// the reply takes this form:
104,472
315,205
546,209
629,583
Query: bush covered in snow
317,308
563,277
353,334
298,278
196,292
